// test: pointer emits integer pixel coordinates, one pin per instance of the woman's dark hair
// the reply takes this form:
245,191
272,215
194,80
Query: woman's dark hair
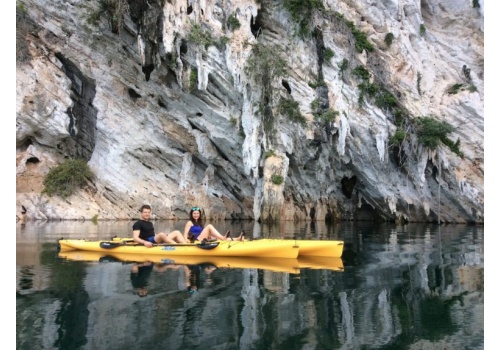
200,220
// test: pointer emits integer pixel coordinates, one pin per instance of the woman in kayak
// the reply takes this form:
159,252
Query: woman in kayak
195,230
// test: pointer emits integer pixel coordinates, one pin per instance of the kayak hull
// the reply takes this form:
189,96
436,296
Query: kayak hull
271,264
324,248
278,249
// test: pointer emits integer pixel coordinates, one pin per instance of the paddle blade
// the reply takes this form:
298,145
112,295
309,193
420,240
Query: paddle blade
208,245
109,245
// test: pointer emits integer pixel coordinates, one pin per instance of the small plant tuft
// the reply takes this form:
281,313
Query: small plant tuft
386,100
399,117
233,120
360,37
343,66
329,54
67,177
317,84
422,30
369,89
430,131
114,11
20,6
389,37
361,72
269,153
398,137
199,36
453,146
94,219
362,42
455,88
265,65
277,179
290,108
24,25
327,116
315,104
233,23
193,79
222,42
302,12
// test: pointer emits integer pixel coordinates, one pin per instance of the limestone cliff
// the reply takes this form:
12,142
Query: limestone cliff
252,109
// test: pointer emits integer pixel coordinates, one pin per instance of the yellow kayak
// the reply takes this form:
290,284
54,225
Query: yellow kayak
263,249
306,247
271,264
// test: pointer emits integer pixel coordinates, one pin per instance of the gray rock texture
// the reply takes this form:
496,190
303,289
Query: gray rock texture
163,104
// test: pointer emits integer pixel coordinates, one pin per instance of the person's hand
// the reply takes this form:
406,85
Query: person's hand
148,244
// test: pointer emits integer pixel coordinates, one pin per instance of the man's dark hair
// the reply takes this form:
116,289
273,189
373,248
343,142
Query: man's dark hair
145,206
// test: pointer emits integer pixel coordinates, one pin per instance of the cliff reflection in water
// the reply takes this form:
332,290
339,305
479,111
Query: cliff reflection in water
413,286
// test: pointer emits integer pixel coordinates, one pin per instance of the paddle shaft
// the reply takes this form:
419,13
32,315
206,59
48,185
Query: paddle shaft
112,245
165,244
158,244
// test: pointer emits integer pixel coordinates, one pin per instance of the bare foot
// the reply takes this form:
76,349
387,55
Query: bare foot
241,236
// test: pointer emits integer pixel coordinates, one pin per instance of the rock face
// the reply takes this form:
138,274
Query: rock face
175,103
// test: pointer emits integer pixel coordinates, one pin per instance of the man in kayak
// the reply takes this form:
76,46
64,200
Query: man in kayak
194,229
144,232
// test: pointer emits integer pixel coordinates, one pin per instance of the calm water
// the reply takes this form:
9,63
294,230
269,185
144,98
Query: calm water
402,287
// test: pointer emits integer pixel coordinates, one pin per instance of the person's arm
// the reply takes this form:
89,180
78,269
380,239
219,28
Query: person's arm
186,229
135,236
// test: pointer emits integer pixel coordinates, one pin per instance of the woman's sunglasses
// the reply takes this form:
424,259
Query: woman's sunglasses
195,208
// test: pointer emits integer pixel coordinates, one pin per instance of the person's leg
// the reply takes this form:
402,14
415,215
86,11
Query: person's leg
163,238
239,238
210,231
177,236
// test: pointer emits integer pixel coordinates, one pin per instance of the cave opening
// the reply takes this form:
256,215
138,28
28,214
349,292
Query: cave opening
286,86
348,185
256,25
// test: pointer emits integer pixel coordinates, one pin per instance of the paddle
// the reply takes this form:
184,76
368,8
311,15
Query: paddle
202,245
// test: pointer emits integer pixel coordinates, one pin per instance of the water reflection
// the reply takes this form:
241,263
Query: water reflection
139,276
412,286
